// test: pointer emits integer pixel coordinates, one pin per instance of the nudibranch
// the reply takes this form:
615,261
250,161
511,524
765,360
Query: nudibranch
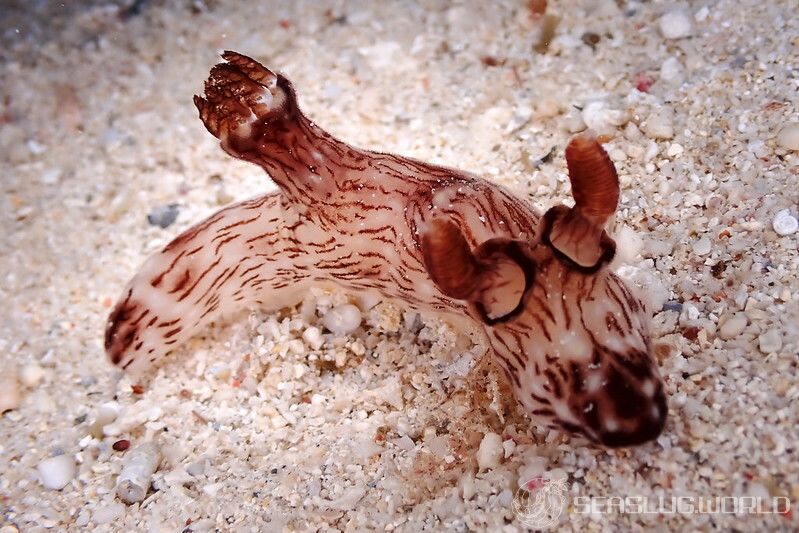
571,337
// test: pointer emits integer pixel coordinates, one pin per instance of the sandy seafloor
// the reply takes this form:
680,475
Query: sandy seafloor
381,429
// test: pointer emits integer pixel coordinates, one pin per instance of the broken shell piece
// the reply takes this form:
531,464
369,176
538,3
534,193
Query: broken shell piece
137,472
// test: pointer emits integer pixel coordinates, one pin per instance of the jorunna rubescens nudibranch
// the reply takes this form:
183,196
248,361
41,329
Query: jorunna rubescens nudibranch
571,337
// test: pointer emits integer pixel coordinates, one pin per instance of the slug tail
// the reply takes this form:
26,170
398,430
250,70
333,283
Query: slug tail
213,268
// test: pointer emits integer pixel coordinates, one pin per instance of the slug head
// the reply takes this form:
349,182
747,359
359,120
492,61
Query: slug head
572,337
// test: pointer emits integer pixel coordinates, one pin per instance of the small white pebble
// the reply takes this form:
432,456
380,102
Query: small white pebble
743,126
602,119
547,107
672,70
733,326
674,150
35,147
404,443
617,155
702,14
758,490
30,375
81,521
689,312
634,151
9,393
505,498
296,346
107,413
108,513
534,466
50,176
628,245
331,91
205,524
490,452
219,371
179,476
675,24
659,125
691,408
342,319
466,484
651,151
770,341
391,393
197,468
341,358
313,337
573,121
784,223
788,137
439,446
757,147
212,489
56,472
508,447
702,246
349,499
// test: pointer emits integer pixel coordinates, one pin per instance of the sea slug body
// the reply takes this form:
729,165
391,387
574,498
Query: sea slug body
569,334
